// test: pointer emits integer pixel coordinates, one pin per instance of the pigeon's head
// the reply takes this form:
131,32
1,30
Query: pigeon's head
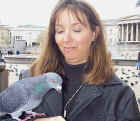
54,80
46,82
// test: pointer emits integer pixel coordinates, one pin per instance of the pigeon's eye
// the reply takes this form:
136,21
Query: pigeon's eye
54,81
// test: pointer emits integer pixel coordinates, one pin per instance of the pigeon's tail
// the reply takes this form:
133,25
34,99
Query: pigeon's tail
13,97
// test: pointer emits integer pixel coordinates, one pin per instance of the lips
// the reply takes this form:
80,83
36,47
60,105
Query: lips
68,49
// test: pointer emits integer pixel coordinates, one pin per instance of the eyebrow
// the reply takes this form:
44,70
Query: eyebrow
76,23
73,24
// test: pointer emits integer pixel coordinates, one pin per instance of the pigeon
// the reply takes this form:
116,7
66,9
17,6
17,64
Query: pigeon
27,94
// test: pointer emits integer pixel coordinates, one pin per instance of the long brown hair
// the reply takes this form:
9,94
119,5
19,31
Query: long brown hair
99,66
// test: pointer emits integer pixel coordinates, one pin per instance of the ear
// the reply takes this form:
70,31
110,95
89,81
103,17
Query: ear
95,33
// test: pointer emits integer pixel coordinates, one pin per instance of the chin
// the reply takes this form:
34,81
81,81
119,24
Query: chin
70,59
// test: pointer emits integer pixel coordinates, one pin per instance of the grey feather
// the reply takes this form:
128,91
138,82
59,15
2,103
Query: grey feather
26,94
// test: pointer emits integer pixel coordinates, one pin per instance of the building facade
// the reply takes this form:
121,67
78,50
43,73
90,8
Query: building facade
129,29
129,26
26,33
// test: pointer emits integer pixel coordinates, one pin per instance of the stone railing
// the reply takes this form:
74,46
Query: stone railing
28,59
20,59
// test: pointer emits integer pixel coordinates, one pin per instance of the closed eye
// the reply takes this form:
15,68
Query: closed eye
59,32
77,31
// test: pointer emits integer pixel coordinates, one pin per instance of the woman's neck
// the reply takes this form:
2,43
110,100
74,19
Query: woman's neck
75,62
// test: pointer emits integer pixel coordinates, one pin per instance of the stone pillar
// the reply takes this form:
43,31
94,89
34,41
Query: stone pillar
119,32
122,32
132,38
137,31
127,32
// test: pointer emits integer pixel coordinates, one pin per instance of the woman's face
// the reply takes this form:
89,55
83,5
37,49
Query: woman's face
73,38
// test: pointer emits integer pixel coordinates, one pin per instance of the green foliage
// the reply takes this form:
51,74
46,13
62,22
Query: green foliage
4,38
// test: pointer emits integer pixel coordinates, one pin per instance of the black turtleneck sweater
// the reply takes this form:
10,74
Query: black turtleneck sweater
72,80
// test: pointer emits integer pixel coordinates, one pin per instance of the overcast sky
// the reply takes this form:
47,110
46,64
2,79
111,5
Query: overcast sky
20,12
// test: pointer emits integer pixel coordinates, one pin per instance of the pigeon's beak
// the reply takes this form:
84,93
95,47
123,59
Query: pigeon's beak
59,88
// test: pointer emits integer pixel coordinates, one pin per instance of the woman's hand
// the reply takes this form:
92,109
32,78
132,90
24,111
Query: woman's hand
57,118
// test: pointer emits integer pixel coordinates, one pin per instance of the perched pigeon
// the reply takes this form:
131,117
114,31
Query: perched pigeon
26,94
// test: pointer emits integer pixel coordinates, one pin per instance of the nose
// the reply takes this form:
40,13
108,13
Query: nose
67,37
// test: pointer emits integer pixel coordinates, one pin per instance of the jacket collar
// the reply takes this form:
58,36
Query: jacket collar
114,80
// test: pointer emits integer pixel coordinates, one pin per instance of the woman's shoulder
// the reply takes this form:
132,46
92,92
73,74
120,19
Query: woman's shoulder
117,86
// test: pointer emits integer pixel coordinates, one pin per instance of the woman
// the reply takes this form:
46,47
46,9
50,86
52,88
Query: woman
76,49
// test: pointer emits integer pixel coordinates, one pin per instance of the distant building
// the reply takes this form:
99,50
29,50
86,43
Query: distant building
28,33
129,29
20,45
123,34
129,26
124,30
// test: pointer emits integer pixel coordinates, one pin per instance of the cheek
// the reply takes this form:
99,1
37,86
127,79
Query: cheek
86,39
84,44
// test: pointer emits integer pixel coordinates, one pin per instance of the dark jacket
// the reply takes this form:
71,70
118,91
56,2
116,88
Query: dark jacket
113,101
